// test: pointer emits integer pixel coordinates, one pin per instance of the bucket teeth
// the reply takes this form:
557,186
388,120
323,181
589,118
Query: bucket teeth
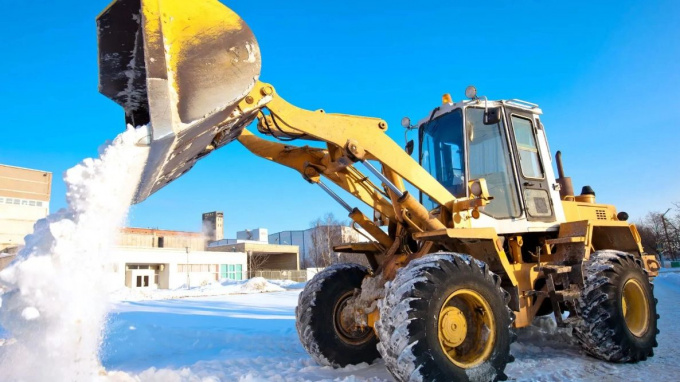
180,67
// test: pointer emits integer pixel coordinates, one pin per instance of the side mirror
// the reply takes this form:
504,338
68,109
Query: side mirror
409,147
492,116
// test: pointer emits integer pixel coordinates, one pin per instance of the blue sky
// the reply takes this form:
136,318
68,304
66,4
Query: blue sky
605,74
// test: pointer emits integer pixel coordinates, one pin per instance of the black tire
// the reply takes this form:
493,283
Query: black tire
602,329
409,319
316,319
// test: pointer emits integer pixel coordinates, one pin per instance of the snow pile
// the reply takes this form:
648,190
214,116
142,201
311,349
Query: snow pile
254,285
259,285
55,299
289,284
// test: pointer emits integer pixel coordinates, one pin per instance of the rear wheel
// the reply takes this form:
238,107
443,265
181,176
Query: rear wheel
445,318
617,309
323,332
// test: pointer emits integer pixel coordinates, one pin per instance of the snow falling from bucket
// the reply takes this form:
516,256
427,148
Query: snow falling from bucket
56,296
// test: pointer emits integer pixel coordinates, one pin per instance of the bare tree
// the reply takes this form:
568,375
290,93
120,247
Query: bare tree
649,236
256,262
325,234
660,234
328,232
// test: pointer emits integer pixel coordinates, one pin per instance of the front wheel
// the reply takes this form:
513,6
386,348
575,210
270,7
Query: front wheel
322,331
445,318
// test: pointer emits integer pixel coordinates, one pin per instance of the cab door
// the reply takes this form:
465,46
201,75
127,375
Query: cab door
531,171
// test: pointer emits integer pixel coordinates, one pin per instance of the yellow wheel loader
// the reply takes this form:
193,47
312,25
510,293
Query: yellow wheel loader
493,239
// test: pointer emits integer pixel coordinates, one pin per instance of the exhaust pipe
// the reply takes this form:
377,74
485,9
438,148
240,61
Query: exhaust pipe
566,188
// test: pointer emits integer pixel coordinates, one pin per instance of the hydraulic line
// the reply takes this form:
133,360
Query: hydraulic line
383,179
335,196
359,218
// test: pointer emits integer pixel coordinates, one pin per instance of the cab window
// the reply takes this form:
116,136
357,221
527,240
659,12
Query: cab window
530,162
442,153
489,158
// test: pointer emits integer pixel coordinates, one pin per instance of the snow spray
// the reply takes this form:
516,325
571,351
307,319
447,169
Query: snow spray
56,298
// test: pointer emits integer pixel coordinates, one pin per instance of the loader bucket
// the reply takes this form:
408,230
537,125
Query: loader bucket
180,68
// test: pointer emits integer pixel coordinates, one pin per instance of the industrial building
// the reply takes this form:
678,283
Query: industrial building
167,259
160,238
153,258
311,239
261,254
24,199
213,225
171,268
157,258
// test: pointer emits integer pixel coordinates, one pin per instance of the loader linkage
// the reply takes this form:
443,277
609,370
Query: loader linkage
493,240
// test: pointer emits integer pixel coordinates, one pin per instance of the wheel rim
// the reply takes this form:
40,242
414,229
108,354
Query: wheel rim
635,307
351,334
467,330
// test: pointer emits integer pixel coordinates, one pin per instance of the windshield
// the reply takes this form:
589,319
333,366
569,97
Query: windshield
442,153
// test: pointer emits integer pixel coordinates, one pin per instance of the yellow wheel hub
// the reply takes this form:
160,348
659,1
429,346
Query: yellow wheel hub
635,307
453,326
466,330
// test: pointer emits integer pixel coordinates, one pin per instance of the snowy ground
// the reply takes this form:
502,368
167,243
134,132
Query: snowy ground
252,338
254,285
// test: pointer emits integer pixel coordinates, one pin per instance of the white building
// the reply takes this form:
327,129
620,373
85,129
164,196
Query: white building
165,259
257,234
171,268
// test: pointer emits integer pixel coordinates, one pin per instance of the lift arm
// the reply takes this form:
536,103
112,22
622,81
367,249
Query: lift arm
350,139
360,138
189,74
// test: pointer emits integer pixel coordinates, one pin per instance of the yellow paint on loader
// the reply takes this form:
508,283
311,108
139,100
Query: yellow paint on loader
181,68
187,24
198,87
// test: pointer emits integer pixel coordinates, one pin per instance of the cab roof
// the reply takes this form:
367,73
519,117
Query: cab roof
449,106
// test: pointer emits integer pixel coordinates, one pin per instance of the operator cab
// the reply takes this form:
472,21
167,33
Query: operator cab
500,141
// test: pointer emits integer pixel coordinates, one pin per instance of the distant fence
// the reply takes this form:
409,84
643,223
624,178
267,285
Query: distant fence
280,274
